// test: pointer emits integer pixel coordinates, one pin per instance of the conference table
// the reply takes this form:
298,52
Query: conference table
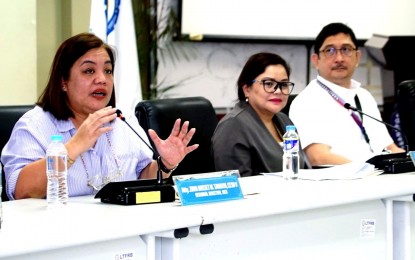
368,218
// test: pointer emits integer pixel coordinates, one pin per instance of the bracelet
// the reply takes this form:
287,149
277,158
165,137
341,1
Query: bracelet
164,168
69,161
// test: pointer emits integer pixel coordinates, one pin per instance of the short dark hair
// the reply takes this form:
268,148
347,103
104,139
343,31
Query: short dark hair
256,65
53,99
330,30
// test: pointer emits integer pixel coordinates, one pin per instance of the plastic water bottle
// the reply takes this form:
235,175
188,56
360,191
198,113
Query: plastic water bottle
56,170
291,157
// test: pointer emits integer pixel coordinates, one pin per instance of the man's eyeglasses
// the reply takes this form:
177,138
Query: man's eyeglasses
330,52
270,86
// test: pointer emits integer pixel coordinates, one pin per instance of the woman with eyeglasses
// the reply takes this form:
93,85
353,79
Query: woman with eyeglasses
79,104
249,138
331,133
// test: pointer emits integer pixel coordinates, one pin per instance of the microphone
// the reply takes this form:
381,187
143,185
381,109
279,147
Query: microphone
348,106
138,191
120,116
159,174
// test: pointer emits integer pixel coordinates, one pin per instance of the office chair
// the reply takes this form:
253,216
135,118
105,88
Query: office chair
160,116
9,115
286,109
406,110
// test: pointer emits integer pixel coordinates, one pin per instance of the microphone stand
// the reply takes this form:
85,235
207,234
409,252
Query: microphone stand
348,106
138,191
390,163
159,173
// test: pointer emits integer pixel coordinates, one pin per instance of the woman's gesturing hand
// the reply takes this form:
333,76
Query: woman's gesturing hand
175,147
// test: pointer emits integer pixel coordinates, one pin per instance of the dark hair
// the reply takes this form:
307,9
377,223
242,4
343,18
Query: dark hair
53,99
256,65
330,30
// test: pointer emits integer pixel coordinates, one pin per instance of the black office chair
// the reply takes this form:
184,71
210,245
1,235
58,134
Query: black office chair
286,109
160,116
9,115
406,110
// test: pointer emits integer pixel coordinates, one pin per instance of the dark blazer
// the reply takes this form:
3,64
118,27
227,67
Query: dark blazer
241,141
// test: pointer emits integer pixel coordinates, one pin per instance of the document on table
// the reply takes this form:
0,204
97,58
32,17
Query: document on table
348,171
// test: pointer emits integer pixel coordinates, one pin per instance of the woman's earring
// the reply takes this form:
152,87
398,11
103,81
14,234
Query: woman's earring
64,89
246,100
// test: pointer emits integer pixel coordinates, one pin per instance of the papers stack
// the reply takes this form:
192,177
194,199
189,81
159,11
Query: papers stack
348,171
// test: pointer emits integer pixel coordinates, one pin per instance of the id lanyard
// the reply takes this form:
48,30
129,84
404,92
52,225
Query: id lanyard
341,102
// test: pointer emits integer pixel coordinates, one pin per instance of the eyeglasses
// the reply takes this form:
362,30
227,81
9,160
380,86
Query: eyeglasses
330,52
270,86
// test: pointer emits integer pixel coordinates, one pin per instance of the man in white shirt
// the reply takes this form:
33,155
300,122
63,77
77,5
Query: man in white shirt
330,133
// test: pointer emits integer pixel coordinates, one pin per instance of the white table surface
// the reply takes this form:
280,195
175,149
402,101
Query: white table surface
29,226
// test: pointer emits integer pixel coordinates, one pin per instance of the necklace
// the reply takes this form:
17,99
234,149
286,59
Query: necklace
98,181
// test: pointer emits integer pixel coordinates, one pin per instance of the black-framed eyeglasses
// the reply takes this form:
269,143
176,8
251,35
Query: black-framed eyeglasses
270,86
330,52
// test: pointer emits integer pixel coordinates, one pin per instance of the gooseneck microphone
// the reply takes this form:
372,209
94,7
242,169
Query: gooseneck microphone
348,106
120,116
138,191
159,174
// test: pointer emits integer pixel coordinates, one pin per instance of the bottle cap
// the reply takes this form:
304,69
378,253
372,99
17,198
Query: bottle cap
56,138
290,128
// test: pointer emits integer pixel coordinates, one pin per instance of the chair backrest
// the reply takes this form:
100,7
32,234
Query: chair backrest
9,115
160,116
286,109
406,110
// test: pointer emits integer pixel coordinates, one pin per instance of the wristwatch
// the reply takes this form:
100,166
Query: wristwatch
164,168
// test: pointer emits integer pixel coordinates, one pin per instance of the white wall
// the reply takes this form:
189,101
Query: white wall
399,18
18,52
30,33
294,19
